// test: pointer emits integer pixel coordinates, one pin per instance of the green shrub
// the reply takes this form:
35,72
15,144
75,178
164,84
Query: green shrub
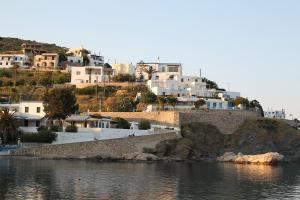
20,82
1,83
30,74
42,128
121,123
5,73
71,128
144,125
32,82
9,83
55,128
44,136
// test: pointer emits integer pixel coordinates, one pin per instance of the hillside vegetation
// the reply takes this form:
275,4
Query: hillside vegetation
14,44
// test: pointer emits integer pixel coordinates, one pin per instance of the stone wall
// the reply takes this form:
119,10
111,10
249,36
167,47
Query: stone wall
226,121
162,118
104,148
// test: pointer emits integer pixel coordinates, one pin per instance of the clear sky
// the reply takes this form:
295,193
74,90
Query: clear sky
252,44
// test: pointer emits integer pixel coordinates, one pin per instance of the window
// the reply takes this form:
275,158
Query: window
163,69
182,80
27,109
38,109
173,69
78,73
37,123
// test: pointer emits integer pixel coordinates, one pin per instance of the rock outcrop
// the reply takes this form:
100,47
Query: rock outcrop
137,156
202,141
267,158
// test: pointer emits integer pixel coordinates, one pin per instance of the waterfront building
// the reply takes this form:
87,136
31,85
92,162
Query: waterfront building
89,121
121,68
29,114
90,74
9,60
46,61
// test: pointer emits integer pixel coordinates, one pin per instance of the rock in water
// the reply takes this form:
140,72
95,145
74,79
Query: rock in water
267,158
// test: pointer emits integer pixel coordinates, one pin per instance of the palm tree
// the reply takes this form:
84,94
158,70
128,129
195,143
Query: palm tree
8,127
149,71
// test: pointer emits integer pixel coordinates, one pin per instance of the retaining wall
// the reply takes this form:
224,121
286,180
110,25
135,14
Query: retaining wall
226,120
103,148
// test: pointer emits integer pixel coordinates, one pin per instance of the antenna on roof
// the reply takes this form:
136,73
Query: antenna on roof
157,58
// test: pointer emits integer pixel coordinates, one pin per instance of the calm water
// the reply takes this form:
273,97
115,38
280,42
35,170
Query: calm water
25,178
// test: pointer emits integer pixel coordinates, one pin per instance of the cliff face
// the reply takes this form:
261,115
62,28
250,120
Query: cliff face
254,136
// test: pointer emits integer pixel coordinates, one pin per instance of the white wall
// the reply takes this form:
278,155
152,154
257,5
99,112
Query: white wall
98,134
32,105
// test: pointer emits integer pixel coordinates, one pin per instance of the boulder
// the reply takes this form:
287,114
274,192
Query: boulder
267,158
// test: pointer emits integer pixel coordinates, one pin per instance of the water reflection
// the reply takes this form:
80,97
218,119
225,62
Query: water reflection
57,179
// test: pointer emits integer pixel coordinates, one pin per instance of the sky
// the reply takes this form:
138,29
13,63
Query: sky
250,46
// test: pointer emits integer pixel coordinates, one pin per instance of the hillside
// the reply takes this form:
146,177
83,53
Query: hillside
14,44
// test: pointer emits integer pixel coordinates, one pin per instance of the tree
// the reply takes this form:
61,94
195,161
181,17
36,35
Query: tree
256,105
148,97
199,103
59,103
121,123
149,71
86,60
171,100
110,104
124,103
144,125
241,101
162,101
8,129
140,107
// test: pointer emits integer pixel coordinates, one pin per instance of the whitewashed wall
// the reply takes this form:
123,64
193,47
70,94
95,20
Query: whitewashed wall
98,134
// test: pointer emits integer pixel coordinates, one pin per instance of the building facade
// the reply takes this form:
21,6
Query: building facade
9,60
120,68
163,70
46,61
90,74
276,114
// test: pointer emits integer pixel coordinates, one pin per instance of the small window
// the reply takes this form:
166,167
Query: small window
37,123
26,109
38,109
78,73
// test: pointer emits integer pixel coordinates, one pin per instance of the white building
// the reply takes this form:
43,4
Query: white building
90,74
29,114
120,68
277,114
75,60
9,60
163,70
179,86
217,104
76,55
88,121
229,94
